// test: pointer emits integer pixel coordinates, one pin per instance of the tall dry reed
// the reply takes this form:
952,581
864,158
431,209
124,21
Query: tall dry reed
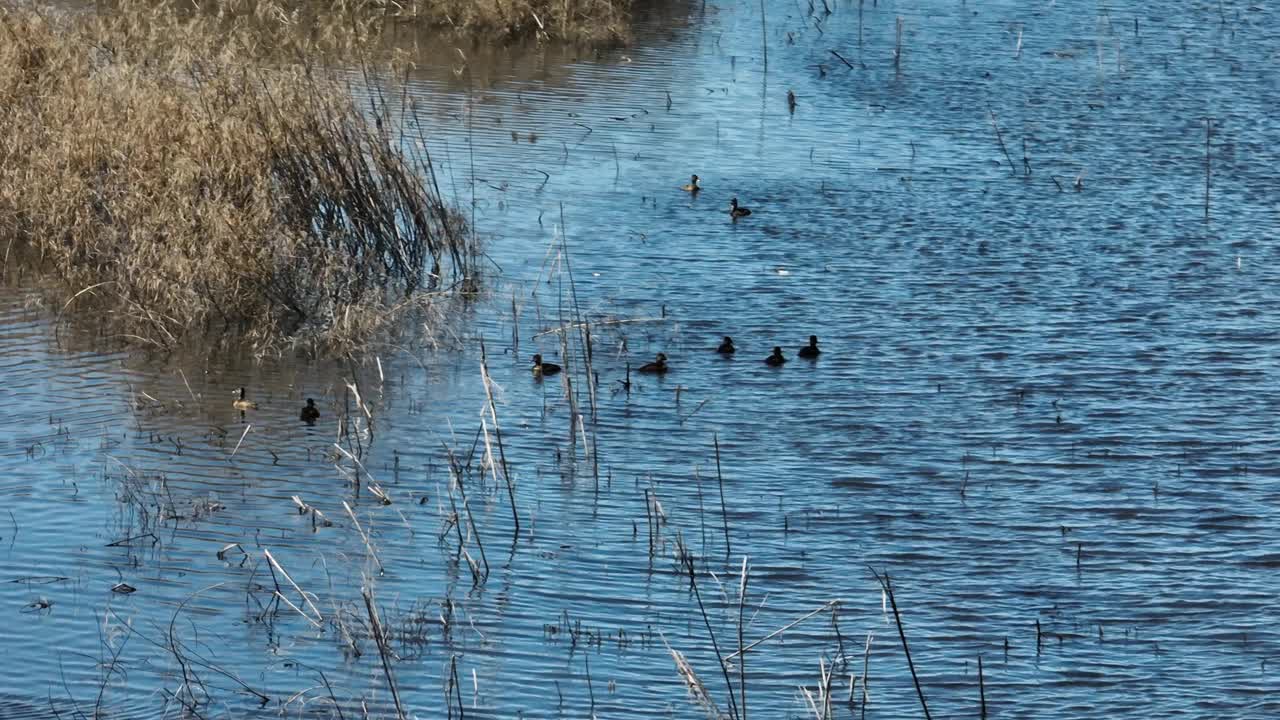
180,177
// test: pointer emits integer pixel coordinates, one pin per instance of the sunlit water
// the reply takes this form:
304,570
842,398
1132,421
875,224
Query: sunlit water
1035,405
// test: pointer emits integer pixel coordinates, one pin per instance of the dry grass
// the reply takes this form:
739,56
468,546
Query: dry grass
582,21
176,184
570,21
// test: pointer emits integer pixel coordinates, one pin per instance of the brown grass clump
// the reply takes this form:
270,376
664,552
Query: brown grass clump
581,21
569,21
172,182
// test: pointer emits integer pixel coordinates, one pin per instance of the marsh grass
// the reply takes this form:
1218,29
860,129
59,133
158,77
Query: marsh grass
590,22
582,21
180,177
367,25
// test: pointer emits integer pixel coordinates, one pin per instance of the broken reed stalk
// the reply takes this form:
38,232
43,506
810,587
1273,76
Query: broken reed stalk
784,628
471,520
306,599
456,480
497,431
887,586
982,691
724,513
764,38
866,666
1000,139
584,332
897,47
456,687
242,436
376,627
860,4
835,625
368,544
742,660
724,666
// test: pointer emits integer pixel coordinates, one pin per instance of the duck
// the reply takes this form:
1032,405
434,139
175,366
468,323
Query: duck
242,404
726,347
777,358
811,350
544,368
310,413
658,366
736,210
693,186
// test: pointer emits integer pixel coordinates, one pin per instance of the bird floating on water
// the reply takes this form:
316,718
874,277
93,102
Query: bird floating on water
736,211
726,347
658,366
242,404
310,413
693,186
777,358
811,350
544,368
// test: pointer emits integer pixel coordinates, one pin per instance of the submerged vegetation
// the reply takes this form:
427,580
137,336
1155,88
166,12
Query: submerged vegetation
183,189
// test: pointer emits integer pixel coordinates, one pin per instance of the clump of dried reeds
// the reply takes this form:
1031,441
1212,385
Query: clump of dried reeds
176,185
360,24
590,21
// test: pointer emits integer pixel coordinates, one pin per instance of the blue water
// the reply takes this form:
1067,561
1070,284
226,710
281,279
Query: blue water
1035,404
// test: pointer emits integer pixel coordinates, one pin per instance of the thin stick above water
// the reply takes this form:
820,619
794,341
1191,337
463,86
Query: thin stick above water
887,585
783,629
982,690
1000,139
381,641
497,431
724,514
764,38
742,661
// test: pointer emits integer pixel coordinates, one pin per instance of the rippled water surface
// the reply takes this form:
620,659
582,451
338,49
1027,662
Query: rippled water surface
1038,406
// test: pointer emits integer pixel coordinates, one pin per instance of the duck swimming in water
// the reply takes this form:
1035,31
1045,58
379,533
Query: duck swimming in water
776,359
544,368
726,347
310,413
658,366
242,404
736,210
693,186
811,350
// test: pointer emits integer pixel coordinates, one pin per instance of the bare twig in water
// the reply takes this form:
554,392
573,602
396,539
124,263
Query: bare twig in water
724,514
829,604
368,545
376,628
982,690
742,660
497,431
1000,139
887,586
724,666
306,599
